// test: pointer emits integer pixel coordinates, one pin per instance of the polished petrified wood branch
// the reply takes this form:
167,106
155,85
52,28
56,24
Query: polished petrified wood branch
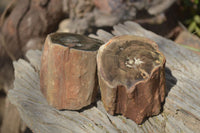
131,77
68,76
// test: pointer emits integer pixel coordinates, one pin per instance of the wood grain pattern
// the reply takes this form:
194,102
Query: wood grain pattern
181,111
68,76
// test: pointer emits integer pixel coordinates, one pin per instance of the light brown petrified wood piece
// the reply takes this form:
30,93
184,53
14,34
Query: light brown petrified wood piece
131,77
181,112
68,77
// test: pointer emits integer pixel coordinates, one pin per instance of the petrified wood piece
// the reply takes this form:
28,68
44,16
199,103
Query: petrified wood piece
68,76
180,112
131,77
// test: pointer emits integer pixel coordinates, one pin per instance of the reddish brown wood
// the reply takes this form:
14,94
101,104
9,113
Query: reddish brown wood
131,77
68,77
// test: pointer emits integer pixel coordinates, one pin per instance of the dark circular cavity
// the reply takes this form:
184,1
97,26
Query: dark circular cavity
76,41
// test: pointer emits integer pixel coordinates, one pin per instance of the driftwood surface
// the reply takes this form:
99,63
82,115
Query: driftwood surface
181,111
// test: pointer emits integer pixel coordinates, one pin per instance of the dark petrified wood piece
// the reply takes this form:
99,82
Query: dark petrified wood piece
131,77
68,76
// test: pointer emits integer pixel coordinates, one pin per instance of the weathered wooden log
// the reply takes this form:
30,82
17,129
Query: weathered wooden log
180,112
131,73
68,76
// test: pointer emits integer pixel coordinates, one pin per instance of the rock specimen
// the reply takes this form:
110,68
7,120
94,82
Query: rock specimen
131,77
68,77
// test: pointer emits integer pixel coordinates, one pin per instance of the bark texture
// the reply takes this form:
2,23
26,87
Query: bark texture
68,77
131,76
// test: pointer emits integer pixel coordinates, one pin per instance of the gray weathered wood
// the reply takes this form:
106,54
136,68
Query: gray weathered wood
181,111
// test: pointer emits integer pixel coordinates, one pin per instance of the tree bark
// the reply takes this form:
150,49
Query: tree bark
68,72
131,76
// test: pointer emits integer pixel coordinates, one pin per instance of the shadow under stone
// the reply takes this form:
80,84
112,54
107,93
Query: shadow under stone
170,81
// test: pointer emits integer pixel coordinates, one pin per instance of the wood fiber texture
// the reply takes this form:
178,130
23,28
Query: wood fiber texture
68,77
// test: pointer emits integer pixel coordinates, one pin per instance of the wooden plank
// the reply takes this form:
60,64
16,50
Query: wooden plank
181,111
